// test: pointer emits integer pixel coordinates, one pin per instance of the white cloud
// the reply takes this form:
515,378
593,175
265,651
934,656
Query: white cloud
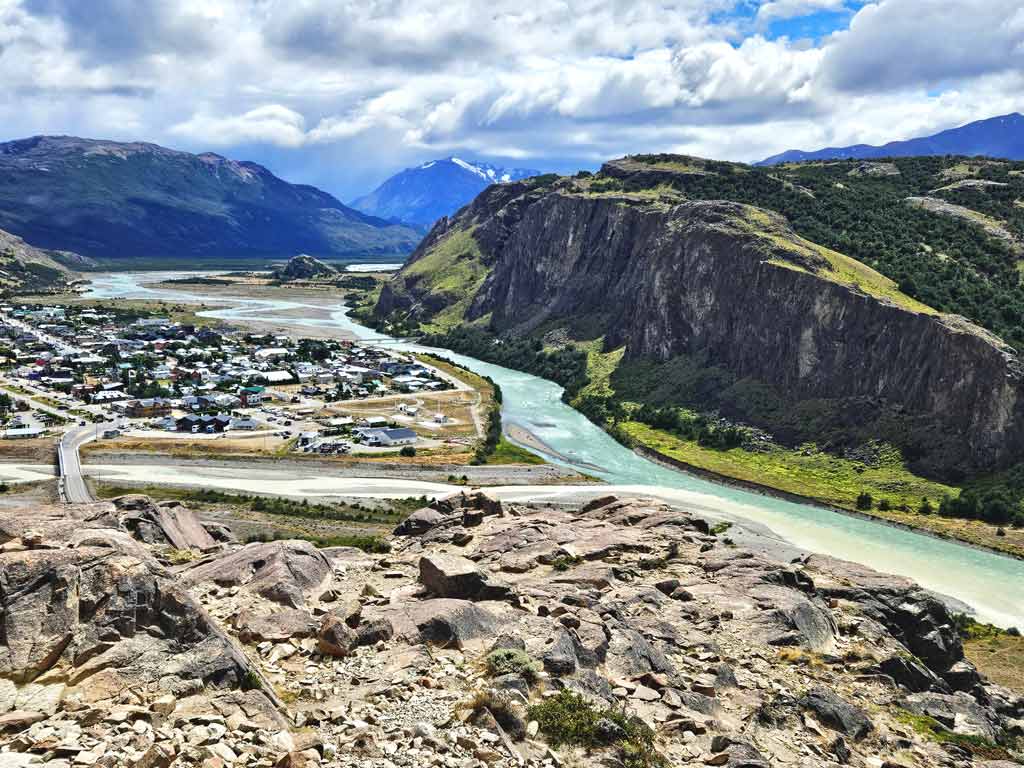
338,92
777,10
273,124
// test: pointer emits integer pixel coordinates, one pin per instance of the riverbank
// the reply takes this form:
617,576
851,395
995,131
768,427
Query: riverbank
820,480
896,519
973,576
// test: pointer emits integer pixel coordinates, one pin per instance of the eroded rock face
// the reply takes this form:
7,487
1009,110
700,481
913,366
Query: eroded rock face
730,286
286,572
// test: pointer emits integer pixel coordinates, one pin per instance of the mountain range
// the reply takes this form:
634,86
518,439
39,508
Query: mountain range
119,201
423,194
994,137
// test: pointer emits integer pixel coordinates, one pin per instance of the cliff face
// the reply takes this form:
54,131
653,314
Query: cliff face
735,287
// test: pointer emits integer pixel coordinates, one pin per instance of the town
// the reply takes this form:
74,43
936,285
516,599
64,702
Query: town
150,377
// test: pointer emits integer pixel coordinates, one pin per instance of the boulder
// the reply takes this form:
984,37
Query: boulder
910,674
442,622
458,578
838,713
88,610
276,627
286,572
958,712
335,637
419,522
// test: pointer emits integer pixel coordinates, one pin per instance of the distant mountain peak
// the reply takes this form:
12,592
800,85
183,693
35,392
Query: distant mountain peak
1001,136
433,189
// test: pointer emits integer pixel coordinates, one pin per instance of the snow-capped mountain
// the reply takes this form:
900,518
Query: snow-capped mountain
423,194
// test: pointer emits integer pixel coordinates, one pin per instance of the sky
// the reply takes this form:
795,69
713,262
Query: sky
343,93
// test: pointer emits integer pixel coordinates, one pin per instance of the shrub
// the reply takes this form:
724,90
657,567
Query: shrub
407,450
864,501
568,718
512,661
926,507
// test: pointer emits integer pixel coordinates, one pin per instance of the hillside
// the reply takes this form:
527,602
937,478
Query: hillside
127,201
24,269
423,194
994,137
623,633
675,280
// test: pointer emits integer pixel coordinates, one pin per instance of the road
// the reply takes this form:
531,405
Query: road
71,485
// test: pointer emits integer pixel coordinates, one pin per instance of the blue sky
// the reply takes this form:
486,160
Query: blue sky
342,93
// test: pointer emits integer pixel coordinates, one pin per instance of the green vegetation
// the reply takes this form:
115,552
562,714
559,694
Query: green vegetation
453,270
806,471
392,513
932,729
506,452
512,661
373,544
950,264
568,718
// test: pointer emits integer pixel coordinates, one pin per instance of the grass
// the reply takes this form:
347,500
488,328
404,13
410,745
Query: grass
600,367
396,510
453,269
839,268
569,719
934,730
997,653
509,453
837,482
804,472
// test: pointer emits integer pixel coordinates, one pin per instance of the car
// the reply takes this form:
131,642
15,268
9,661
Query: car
81,423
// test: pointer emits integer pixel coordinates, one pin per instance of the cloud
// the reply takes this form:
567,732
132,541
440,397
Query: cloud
273,123
778,10
924,43
342,92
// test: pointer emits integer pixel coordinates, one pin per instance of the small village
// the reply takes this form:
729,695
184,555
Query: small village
150,377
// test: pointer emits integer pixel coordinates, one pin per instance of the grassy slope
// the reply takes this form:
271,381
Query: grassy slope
454,270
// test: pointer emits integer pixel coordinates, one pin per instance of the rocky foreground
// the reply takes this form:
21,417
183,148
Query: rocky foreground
624,633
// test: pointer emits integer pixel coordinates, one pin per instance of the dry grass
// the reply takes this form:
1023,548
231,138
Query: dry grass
35,451
999,658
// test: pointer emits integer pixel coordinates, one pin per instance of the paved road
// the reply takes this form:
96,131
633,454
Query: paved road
71,484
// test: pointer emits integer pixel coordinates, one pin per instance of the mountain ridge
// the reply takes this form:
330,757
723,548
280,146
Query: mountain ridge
798,338
118,200
1001,136
422,194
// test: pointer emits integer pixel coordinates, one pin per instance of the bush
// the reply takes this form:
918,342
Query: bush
864,501
884,505
407,450
512,661
926,507
568,718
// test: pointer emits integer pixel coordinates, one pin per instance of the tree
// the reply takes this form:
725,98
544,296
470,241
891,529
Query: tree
926,507
864,501
407,450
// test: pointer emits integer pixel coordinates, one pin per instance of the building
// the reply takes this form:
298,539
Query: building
387,437
205,423
22,433
148,408
251,396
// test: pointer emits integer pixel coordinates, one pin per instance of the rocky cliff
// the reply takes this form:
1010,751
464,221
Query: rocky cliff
622,633
626,258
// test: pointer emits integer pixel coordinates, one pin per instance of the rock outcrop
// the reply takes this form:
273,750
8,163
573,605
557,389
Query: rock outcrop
304,267
731,288
440,652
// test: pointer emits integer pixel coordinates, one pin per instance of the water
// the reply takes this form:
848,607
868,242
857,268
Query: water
991,584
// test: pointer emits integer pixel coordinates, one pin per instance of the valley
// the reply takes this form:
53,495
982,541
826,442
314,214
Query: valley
535,406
